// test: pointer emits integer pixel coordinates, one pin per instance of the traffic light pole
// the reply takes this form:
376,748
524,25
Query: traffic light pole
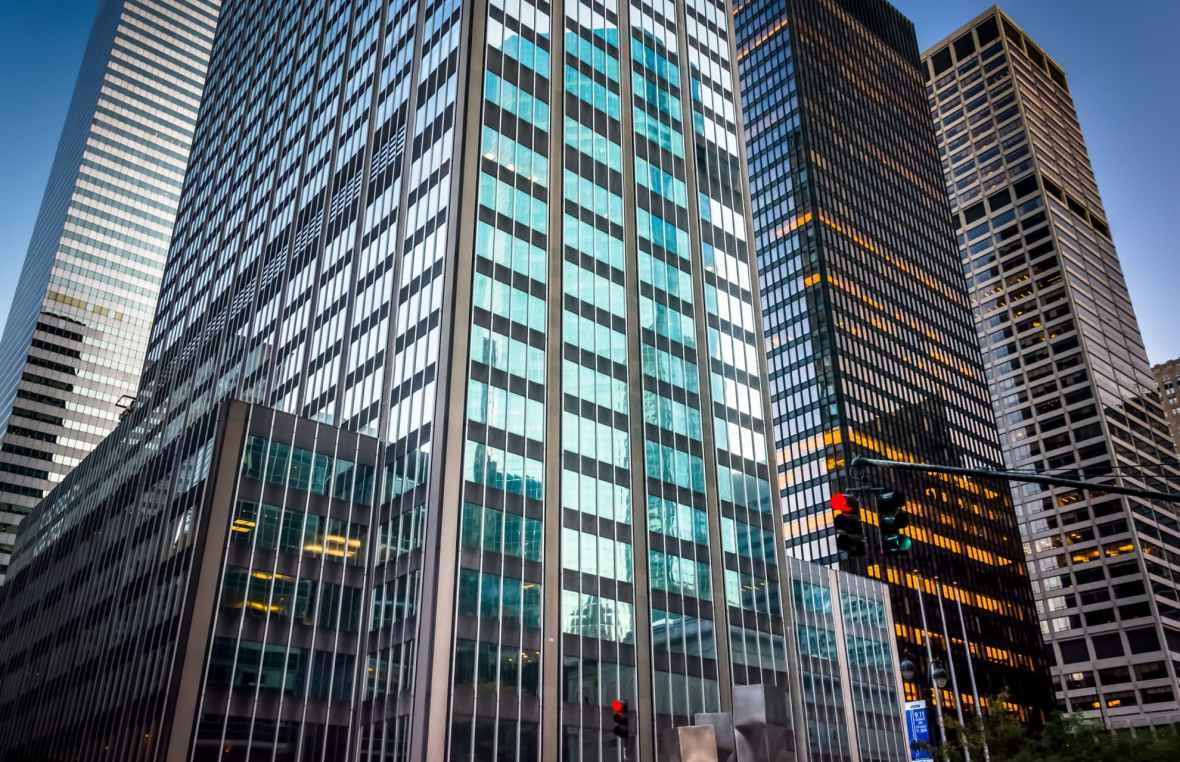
930,666
1018,476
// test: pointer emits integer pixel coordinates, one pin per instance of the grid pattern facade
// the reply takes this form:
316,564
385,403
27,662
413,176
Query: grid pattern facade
1167,377
848,665
1072,389
508,242
870,338
77,329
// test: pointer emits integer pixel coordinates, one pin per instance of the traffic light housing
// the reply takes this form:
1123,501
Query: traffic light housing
850,537
892,517
621,716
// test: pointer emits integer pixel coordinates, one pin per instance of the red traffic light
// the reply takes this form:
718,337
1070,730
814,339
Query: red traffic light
841,503
618,706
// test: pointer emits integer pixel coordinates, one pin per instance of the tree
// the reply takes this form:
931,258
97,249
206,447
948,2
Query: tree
1061,739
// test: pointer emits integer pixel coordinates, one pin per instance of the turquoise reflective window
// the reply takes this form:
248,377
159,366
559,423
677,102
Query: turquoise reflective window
665,276
654,62
817,643
523,50
513,203
594,337
492,596
591,241
667,367
595,52
657,95
591,196
506,301
674,466
673,519
515,100
509,355
592,386
505,410
501,532
581,492
658,133
661,233
503,248
594,289
671,415
596,555
667,322
512,472
512,155
593,144
677,574
660,182
743,489
748,541
595,440
593,94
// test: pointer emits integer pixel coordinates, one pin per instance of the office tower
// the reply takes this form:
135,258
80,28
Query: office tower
1166,376
480,277
73,345
870,340
1069,376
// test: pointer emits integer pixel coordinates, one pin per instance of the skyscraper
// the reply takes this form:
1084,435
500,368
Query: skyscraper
870,339
73,345
1069,376
480,274
1167,377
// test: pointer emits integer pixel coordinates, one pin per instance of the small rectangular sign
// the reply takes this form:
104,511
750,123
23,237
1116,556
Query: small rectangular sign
918,730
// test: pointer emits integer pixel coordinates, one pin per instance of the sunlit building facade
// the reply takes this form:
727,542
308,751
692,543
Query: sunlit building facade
77,330
870,339
1072,388
480,275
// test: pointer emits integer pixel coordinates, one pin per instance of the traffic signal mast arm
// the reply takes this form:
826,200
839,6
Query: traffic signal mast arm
1018,476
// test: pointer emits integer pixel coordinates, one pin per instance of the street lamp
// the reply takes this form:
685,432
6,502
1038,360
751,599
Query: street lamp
939,675
939,678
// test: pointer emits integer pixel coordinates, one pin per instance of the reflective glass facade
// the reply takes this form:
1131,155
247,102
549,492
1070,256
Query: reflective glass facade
869,333
498,254
76,333
1069,376
848,665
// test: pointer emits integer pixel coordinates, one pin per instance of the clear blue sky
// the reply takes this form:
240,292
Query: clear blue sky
1121,60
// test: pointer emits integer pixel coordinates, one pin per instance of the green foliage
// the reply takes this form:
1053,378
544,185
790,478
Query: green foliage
1061,739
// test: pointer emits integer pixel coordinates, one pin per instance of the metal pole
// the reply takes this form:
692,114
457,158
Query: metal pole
987,756
1018,476
930,664
950,659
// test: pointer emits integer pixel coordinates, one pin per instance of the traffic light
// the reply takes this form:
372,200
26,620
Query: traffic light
622,719
850,537
893,518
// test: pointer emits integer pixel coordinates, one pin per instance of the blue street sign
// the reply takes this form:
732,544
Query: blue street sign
917,726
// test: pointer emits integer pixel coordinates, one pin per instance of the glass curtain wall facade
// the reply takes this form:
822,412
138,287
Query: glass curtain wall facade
869,334
77,330
508,242
1069,375
848,664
